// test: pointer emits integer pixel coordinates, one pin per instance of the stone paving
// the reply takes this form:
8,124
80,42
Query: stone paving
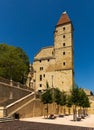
24,125
40,123
66,120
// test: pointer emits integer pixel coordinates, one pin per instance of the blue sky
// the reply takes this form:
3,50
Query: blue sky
30,24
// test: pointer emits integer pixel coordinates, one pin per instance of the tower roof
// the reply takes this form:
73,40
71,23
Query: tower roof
63,19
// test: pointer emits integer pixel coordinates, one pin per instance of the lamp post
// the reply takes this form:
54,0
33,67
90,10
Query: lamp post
52,81
52,89
11,83
31,85
35,85
34,93
53,93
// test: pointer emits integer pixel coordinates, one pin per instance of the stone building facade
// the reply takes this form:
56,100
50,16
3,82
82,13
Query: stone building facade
54,64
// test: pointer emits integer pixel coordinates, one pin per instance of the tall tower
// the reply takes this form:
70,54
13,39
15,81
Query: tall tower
63,46
54,64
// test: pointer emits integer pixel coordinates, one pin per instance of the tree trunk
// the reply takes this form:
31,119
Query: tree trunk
74,113
64,110
69,110
47,110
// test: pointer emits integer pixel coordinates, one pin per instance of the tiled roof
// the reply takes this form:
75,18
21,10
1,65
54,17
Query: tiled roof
63,19
44,53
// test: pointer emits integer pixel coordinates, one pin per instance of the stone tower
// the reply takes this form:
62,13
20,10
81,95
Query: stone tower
54,65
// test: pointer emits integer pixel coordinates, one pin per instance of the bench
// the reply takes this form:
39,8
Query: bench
78,118
51,116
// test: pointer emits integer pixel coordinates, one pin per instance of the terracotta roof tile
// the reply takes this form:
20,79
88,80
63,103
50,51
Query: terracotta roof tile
63,19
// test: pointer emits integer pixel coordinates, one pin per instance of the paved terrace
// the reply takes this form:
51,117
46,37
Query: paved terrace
39,123
66,120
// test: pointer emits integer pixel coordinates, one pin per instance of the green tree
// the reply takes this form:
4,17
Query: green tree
63,101
69,103
14,63
58,98
75,100
79,98
83,101
46,98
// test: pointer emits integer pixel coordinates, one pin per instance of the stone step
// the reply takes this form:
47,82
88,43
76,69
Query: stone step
5,119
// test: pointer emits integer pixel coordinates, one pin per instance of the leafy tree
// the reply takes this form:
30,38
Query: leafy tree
63,100
79,98
46,98
14,63
69,103
75,100
83,101
58,98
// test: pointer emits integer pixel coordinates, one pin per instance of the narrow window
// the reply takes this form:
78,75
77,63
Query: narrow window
64,63
44,75
52,52
63,36
40,61
40,85
64,44
41,68
63,28
64,53
39,91
34,80
40,77
48,60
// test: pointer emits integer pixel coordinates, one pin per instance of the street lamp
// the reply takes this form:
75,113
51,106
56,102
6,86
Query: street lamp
52,81
53,92
52,89
35,81
11,69
31,84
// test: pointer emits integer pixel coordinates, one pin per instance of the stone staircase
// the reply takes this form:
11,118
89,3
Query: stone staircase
14,107
9,105
6,119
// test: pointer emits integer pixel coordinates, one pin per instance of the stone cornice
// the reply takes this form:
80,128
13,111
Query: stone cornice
44,58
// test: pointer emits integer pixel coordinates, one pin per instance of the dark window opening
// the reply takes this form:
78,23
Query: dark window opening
63,53
52,52
64,44
40,77
63,36
40,85
63,28
34,80
39,91
64,63
41,68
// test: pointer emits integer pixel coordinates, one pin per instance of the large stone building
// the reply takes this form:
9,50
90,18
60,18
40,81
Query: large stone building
54,64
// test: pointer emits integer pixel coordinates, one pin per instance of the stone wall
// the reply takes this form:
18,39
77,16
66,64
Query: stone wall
16,84
34,108
7,90
37,108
